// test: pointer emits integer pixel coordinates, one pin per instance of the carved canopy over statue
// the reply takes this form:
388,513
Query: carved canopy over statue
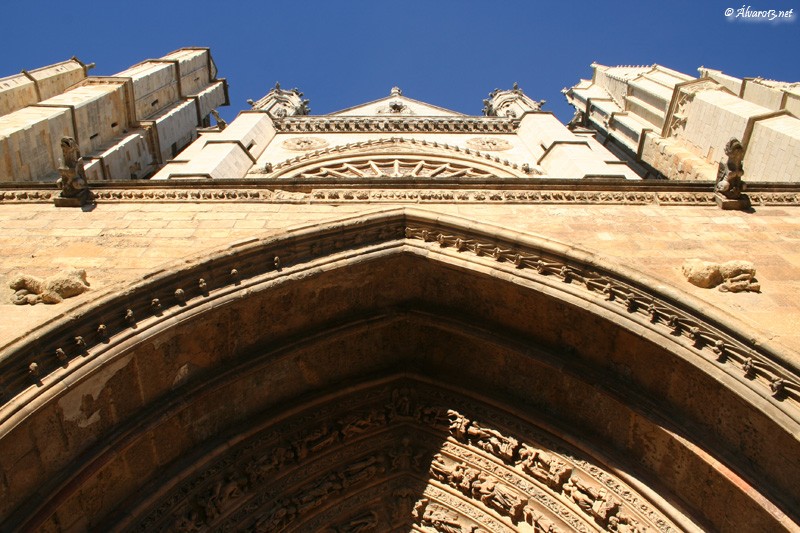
73,182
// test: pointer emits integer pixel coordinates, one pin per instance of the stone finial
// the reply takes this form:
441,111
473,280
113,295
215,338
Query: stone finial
395,91
510,103
280,103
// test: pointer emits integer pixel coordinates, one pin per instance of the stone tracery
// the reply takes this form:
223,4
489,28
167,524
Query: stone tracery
395,168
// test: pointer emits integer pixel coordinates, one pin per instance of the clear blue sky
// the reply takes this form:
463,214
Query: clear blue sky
448,52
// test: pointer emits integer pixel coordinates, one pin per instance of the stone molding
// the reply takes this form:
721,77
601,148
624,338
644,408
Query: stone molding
632,298
360,193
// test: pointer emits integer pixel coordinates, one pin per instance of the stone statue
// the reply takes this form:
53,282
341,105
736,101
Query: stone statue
441,519
364,522
52,290
729,185
731,276
74,188
498,496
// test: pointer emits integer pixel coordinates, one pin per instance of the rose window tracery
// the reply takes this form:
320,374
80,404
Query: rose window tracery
395,168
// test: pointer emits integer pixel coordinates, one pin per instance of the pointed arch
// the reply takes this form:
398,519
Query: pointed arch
511,349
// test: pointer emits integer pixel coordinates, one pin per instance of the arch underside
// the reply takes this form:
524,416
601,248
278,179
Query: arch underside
400,385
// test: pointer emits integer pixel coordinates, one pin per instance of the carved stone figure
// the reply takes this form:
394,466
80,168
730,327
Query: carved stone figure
488,144
729,180
51,290
258,469
622,523
492,441
220,497
540,522
356,424
404,458
731,276
318,493
304,144
489,440
400,406
187,523
594,501
729,185
498,496
74,188
282,513
441,519
544,467
402,503
315,441
581,493
458,425
365,522
364,469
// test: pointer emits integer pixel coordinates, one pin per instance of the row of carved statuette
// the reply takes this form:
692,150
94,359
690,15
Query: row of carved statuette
595,501
221,489
360,124
634,300
210,503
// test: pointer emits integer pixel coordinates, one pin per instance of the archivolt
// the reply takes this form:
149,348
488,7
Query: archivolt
517,326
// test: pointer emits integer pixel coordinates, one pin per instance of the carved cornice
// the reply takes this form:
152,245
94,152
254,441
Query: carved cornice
392,124
334,193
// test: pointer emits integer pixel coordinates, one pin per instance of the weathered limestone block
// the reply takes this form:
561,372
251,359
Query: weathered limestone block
732,276
52,290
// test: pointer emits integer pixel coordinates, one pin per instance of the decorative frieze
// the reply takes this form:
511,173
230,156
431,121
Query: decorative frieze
264,484
386,123
415,195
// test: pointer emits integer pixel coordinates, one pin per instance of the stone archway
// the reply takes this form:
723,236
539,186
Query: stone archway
473,378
